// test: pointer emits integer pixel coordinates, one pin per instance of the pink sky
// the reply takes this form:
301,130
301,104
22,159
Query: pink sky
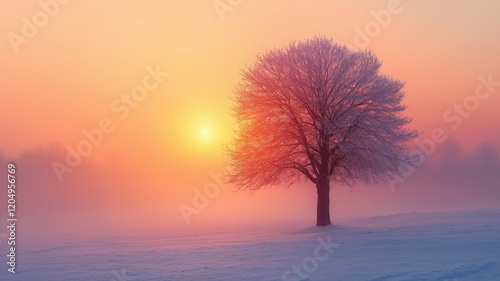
67,76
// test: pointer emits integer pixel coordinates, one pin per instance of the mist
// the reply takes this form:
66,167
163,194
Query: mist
108,198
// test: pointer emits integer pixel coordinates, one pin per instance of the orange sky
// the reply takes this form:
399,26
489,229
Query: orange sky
66,77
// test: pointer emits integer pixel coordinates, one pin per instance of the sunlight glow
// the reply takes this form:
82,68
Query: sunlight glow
205,133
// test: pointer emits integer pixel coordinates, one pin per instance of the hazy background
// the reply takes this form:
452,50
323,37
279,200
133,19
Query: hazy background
90,53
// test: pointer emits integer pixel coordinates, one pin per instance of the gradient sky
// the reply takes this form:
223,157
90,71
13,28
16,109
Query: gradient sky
90,53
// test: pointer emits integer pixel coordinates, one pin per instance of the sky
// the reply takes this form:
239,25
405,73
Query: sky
70,69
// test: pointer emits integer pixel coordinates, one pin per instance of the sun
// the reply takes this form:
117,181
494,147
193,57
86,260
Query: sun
205,133
201,133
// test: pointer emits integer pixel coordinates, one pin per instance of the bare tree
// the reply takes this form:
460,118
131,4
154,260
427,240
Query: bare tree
320,111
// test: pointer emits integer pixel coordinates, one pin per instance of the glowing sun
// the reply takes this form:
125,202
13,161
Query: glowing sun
205,133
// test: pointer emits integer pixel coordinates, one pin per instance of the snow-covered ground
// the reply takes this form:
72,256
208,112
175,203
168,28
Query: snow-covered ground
460,245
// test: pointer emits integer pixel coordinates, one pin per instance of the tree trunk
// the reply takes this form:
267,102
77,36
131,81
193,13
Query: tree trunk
323,208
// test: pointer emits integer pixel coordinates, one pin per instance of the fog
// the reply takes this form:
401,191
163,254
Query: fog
98,198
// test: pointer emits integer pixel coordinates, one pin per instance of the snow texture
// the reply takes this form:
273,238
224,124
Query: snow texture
459,245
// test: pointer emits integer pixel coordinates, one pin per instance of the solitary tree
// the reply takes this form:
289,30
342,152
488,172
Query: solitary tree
320,111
